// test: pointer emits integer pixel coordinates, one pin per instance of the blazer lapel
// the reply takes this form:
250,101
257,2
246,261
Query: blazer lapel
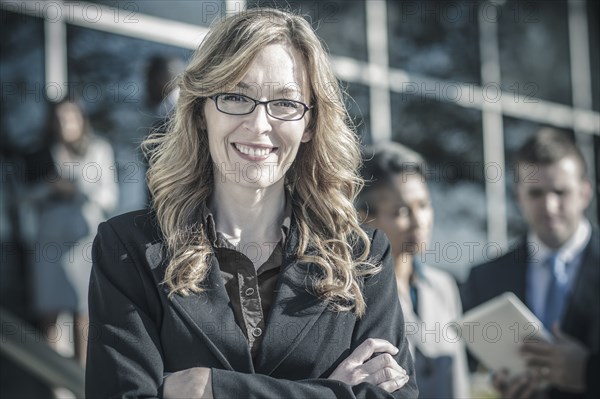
572,322
517,271
209,315
294,312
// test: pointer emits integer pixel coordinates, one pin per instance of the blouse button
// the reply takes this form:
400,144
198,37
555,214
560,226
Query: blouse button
257,332
249,291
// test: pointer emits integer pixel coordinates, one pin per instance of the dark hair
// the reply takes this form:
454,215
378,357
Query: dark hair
53,133
161,72
548,146
381,163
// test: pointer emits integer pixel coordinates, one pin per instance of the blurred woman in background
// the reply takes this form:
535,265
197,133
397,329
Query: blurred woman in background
77,192
396,200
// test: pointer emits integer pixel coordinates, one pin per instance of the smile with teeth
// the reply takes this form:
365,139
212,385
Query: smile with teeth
254,151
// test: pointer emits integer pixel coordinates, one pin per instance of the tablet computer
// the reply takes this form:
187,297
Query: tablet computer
494,330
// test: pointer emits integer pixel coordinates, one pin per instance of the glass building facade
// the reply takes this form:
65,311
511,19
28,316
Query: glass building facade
462,82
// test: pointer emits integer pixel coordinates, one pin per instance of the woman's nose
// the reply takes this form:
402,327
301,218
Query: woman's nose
259,121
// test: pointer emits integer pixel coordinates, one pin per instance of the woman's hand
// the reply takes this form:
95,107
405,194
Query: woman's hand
381,370
190,383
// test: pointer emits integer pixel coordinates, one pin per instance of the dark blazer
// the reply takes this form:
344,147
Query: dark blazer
508,273
137,333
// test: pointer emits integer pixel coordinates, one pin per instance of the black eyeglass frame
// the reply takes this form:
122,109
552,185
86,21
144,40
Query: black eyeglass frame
307,108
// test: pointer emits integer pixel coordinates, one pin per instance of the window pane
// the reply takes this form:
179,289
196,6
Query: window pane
534,49
108,72
23,83
441,131
436,38
340,24
22,127
450,138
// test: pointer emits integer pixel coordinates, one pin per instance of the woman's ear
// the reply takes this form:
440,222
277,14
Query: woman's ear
307,135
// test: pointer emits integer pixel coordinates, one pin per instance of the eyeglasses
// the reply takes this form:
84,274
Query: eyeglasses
239,104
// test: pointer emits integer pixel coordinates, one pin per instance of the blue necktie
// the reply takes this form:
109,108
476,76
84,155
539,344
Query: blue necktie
557,291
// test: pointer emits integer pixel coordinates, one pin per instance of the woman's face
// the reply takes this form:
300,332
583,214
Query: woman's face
256,150
404,213
70,122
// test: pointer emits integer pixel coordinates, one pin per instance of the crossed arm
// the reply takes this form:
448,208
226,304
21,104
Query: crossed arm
381,370
125,358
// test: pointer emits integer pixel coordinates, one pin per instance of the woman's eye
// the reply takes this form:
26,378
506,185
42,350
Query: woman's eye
234,98
286,104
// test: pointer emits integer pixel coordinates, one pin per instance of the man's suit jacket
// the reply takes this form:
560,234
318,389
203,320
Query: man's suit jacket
137,333
581,319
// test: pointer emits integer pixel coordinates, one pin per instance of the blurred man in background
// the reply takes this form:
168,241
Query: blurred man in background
554,270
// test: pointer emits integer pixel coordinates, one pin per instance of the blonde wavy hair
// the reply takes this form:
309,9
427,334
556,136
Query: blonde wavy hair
323,181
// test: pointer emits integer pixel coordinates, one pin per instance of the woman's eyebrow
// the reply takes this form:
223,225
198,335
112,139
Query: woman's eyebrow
289,90
292,90
243,85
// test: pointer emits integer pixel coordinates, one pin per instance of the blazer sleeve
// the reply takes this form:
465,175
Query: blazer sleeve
591,376
383,319
124,357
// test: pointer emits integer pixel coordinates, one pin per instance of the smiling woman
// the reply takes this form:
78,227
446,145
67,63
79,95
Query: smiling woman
255,138
250,275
